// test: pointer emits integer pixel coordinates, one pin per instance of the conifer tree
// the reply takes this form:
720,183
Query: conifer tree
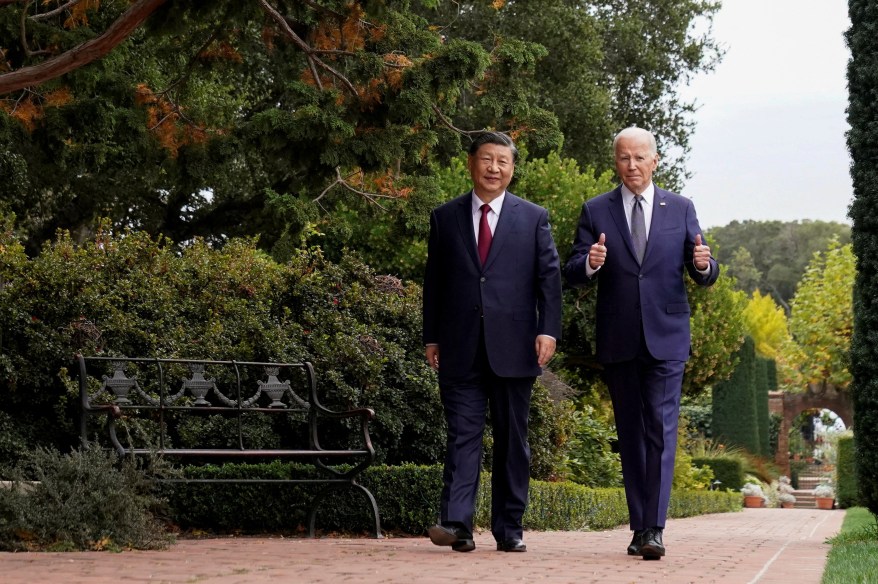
863,146
734,404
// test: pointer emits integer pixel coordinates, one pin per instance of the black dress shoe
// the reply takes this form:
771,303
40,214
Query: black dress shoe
459,539
511,545
636,542
652,547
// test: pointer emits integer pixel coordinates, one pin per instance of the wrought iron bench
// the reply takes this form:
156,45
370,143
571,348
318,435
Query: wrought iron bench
149,398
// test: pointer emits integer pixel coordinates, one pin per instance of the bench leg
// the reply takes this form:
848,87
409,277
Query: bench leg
315,504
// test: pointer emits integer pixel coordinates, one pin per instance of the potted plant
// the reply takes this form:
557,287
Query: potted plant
784,491
787,500
753,495
824,496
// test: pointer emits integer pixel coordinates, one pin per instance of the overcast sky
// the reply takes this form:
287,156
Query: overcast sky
769,142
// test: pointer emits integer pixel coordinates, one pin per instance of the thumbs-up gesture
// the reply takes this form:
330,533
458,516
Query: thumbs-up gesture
701,254
597,254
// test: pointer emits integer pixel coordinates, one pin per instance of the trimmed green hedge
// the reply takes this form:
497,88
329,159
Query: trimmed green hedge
728,470
735,411
846,493
408,499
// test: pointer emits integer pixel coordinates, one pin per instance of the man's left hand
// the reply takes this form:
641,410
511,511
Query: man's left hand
701,255
545,349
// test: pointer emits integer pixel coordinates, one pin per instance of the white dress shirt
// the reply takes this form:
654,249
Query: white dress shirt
493,215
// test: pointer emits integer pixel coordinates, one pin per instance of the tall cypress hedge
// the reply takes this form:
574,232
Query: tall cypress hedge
734,404
863,146
760,388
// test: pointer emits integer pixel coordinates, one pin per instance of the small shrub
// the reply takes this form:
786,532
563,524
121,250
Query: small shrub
85,500
590,458
728,470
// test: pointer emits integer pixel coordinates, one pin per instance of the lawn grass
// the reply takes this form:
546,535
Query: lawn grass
853,558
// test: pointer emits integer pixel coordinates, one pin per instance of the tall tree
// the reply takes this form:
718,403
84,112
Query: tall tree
227,118
742,268
778,250
863,146
822,317
766,324
610,64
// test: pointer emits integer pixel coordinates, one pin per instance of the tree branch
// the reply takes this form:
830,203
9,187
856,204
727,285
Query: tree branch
83,54
445,121
59,10
285,27
340,180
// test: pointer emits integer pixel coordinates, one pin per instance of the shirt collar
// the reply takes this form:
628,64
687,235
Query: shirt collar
495,205
648,195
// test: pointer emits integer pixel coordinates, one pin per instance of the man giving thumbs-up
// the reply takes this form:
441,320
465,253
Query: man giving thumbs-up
635,242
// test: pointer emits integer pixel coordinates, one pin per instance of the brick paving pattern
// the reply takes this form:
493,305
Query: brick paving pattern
765,546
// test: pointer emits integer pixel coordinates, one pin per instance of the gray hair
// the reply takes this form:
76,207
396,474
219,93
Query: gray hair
635,132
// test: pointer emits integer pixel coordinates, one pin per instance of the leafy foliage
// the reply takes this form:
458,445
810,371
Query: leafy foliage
222,119
766,324
591,460
603,70
772,255
821,322
129,294
717,324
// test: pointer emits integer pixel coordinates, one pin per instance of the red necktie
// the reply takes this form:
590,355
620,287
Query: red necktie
484,234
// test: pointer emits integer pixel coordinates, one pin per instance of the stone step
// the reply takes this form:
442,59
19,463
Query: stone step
810,482
804,499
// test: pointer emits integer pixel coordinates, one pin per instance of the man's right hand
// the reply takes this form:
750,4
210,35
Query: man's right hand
432,352
597,254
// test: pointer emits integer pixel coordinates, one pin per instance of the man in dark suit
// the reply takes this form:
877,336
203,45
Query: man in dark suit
492,316
635,242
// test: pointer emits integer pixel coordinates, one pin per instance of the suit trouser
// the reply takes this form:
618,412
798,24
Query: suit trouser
646,405
465,401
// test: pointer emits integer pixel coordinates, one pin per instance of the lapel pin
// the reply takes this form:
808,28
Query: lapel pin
662,204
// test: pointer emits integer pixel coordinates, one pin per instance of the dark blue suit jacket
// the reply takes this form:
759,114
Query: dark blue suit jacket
626,290
518,291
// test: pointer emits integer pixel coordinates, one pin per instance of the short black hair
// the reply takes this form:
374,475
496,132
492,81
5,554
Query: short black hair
498,138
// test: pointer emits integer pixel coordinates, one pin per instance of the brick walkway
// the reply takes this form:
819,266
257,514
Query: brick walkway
765,546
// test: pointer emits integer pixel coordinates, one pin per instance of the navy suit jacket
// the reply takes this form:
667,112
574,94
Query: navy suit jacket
516,295
654,292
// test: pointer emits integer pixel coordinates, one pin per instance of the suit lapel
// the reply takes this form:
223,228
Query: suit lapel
659,217
465,223
505,223
619,214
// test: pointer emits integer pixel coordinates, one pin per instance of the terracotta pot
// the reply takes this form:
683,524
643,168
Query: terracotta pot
787,505
824,502
753,501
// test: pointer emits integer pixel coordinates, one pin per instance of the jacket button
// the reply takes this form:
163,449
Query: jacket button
482,279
